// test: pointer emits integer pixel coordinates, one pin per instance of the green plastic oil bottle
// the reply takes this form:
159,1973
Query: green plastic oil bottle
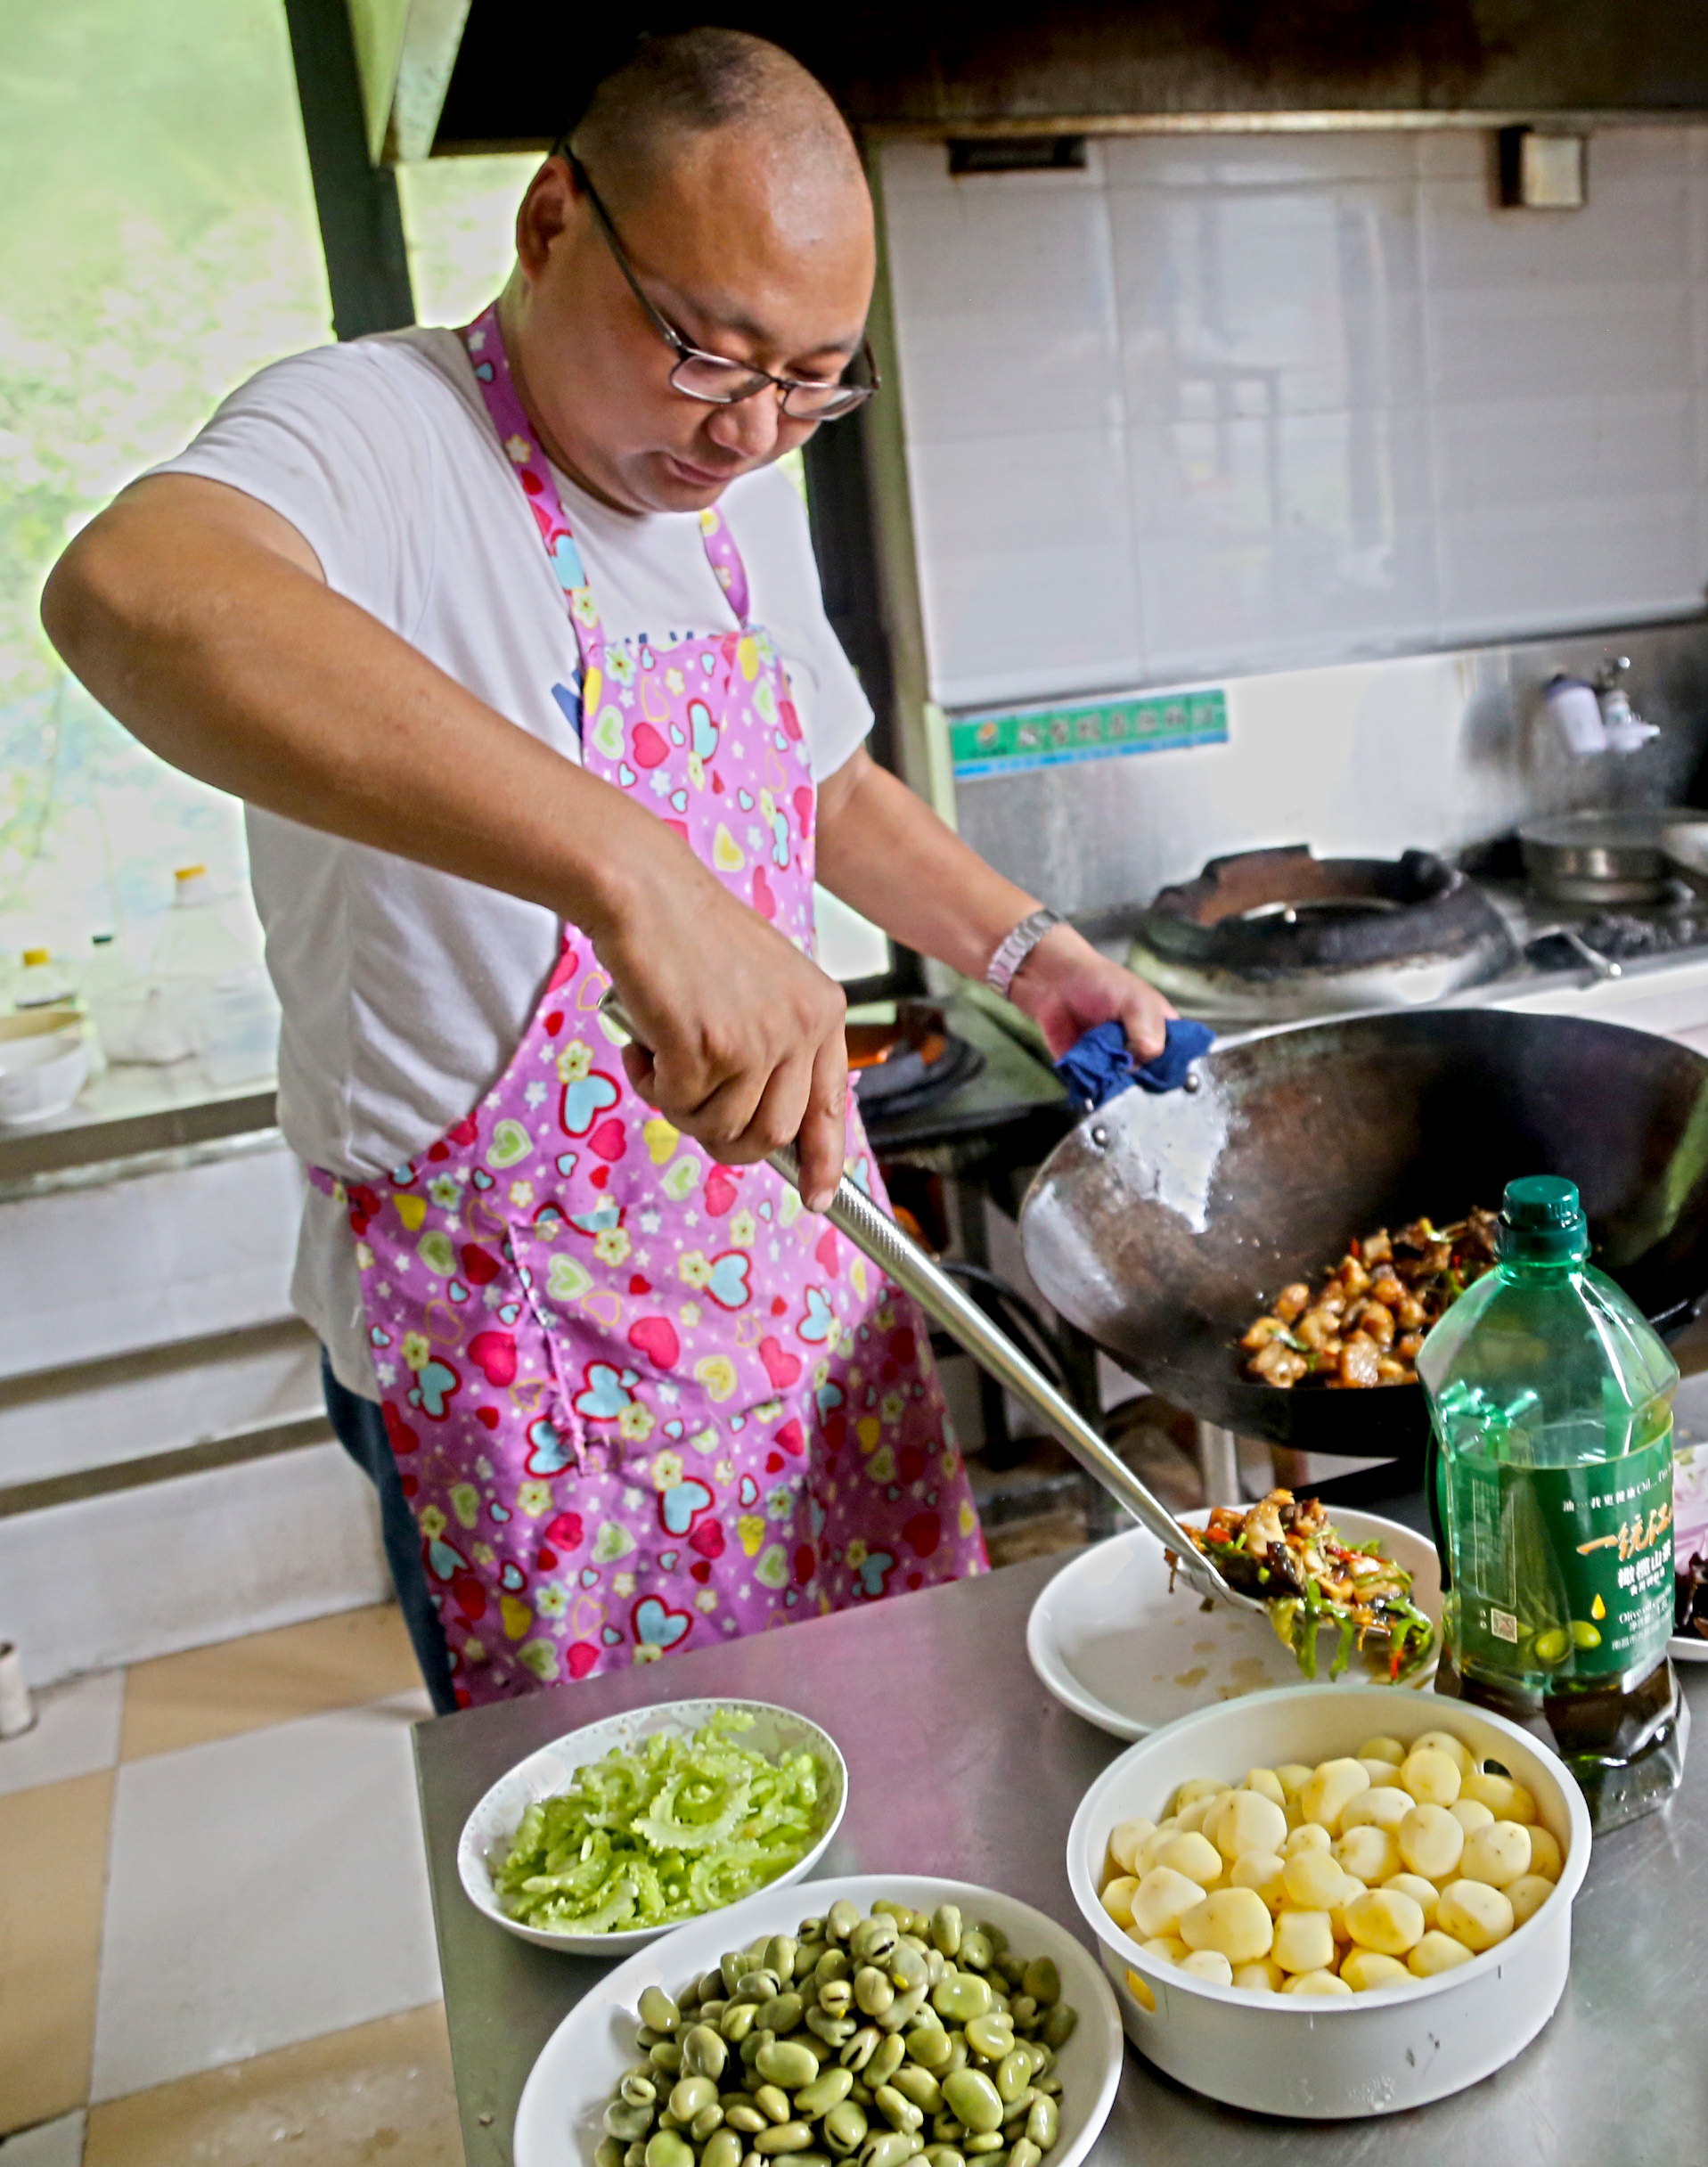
1551,1480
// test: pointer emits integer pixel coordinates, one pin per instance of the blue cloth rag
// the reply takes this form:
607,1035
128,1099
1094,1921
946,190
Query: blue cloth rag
1101,1067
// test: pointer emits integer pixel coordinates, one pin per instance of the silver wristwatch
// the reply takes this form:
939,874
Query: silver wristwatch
1003,966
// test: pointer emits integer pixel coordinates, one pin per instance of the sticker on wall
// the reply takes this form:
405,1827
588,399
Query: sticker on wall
1010,742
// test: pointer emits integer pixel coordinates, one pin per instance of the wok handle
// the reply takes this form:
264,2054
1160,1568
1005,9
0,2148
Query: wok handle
900,1258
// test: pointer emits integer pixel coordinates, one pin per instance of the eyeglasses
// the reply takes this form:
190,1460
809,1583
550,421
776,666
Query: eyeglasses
712,378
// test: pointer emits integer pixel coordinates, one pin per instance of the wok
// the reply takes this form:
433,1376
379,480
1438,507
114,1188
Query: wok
1161,1224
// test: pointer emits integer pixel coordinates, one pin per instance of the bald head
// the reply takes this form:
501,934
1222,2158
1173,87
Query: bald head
676,90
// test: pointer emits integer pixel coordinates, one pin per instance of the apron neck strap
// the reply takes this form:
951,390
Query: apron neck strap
484,341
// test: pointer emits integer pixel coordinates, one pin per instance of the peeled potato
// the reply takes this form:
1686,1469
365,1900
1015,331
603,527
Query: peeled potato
1118,1899
1332,1788
1208,1964
1431,1842
1423,1894
1471,1814
1305,1941
1292,1776
1235,1922
1154,1906
1313,1880
1194,1816
1124,1839
1368,1852
1306,1836
1199,1786
1385,1806
1474,1913
1527,1895
1316,1983
1546,1858
1436,1952
1387,1921
1366,1970
1446,1742
1262,1871
1166,1947
1382,1749
1267,1782
1508,1801
1192,1854
1497,1854
1351,1889
1431,1776
1249,1821
1260,1978
1378,1772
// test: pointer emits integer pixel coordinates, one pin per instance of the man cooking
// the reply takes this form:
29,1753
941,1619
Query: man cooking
512,641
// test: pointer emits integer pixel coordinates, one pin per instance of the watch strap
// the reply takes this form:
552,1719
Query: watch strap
1004,966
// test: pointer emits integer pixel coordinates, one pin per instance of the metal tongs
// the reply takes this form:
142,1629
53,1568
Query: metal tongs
900,1258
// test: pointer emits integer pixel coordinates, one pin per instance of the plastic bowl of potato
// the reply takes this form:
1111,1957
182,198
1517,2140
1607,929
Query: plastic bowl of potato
1333,1904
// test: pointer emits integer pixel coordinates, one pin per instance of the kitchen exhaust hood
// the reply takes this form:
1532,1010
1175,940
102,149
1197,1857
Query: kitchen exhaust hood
966,68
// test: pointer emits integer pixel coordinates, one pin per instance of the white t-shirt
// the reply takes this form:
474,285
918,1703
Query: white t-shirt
406,991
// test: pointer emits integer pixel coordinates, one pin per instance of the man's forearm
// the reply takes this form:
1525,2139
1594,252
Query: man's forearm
887,856
245,670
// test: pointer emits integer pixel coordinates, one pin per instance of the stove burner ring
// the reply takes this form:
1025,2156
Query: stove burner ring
1319,910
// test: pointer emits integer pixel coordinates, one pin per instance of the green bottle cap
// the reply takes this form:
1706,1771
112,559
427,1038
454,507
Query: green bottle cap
1542,1222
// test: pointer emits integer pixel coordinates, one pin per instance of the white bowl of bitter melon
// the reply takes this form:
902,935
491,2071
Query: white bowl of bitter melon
1333,1904
621,1831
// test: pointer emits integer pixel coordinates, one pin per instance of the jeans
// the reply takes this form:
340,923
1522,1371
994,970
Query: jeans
360,1428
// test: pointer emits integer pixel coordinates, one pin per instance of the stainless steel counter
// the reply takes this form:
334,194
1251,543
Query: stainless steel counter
961,1765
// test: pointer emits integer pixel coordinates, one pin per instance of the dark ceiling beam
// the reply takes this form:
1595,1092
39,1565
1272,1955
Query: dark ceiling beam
361,225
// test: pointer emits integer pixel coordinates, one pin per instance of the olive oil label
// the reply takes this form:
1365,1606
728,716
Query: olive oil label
1563,1570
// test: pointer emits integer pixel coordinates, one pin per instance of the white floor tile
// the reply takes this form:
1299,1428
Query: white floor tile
263,1889
75,1733
50,2144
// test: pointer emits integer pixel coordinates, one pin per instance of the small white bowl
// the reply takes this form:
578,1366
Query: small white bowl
546,1773
1319,2058
44,1065
557,2119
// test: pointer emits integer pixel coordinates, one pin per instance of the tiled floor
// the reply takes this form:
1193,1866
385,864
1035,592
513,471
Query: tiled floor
215,1938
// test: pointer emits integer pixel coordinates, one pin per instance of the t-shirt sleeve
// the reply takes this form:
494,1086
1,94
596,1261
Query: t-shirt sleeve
769,521
333,443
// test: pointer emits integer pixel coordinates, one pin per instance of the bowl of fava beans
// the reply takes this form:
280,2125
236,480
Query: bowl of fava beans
1333,1904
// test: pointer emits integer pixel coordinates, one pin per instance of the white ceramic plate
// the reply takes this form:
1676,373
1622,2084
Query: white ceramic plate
498,1815
1111,1643
557,2123
1690,1512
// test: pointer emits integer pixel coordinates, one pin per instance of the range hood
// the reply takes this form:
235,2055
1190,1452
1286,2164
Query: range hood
966,68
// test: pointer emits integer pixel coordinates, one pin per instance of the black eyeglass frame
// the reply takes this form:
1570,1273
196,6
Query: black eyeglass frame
853,396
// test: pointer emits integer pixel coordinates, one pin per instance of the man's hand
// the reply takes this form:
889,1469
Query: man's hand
739,1037
1067,989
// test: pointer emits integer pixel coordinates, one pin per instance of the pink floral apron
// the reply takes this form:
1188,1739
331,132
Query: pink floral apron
641,1402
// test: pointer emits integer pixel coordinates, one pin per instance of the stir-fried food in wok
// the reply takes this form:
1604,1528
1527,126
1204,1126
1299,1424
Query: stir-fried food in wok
1366,1322
1284,1551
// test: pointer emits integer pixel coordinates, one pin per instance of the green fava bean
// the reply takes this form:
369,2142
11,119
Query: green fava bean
960,1995
703,2053
706,2122
737,2021
786,2063
784,2137
919,2086
773,2103
976,1951
889,2149
929,2046
666,2056
658,2010
906,1967
1043,1980
904,2009
1043,2122
832,1965
973,2100
1014,2074
745,2117
1058,2024
807,1958
836,1997
861,2048
780,1953
886,2058
945,1928
1023,2153
723,2149
690,2096
634,2154
872,1939
1023,2011
944,2155
872,1990
666,2149
992,2036
757,1986
834,2031
991,2140
609,2152
843,1918
781,2013
827,2091
845,2128
637,2089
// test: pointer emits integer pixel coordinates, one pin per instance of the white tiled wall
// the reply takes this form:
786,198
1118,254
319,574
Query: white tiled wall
1227,404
